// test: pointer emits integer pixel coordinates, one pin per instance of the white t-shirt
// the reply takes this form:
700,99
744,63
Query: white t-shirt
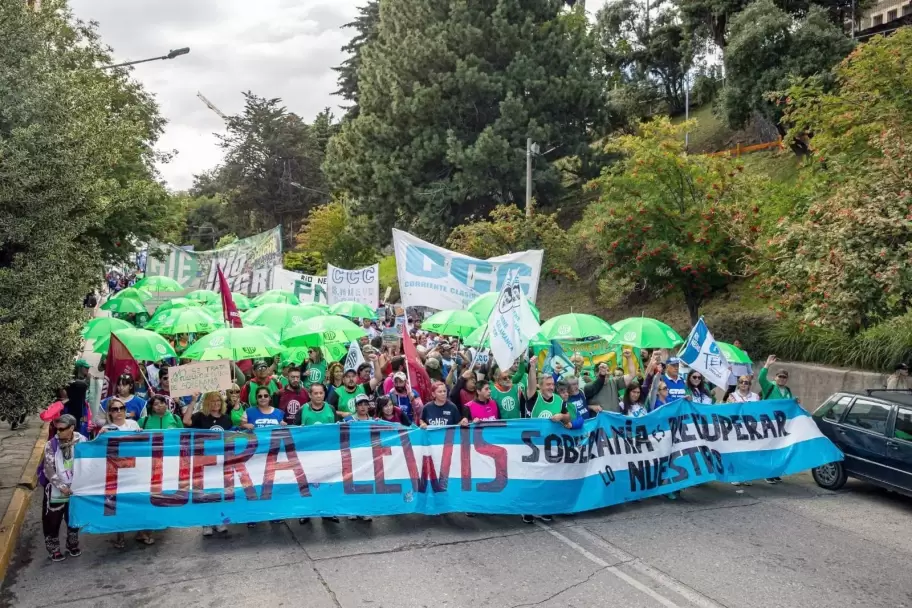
128,425
737,397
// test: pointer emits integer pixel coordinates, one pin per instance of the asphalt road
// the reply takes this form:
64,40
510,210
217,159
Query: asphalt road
792,545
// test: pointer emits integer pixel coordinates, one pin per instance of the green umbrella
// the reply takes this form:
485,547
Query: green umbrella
132,292
353,310
733,354
176,303
241,302
332,351
159,283
206,296
323,308
101,327
279,317
319,331
144,345
124,305
575,326
482,306
187,321
276,296
459,323
235,343
643,332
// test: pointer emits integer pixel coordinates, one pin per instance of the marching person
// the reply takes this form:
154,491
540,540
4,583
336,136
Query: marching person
57,472
634,402
388,412
508,395
158,417
407,401
677,387
262,378
742,392
291,398
316,369
779,390
441,411
263,415
362,409
315,412
463,390
343,400
482,408
212,416
235,408
697,391
334,373
125,391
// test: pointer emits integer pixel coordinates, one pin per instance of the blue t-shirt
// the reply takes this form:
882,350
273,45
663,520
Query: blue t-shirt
677,389
260,420
579,402
403,402
135,406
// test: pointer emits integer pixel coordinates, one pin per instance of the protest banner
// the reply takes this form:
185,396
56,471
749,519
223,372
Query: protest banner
511,324
362,285
700,352
391,336
438,278
309,288
199,377
248,264
200,478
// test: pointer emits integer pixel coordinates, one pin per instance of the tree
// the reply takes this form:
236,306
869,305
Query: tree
766,48
448,95
668,221
646,52
340,238
844,263
507,230
271,173
365,24
77,188
207,219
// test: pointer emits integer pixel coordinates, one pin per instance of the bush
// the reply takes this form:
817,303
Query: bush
308,262
750,327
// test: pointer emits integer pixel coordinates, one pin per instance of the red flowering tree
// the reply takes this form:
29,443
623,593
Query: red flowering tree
669,221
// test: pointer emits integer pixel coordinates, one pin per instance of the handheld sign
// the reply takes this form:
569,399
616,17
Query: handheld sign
391,337
200,378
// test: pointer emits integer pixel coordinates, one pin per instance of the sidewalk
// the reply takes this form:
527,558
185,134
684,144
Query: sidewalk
20,452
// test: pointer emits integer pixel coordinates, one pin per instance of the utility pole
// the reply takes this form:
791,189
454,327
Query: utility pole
528,177
686,111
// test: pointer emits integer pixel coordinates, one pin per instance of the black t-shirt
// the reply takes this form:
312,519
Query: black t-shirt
203,421
440,415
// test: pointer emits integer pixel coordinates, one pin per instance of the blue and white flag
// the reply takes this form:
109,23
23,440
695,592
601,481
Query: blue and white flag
700,352
354,358
511,324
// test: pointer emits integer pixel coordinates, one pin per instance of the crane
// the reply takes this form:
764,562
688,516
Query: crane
211,106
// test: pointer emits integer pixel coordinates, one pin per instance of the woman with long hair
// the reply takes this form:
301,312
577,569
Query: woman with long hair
697,389
334,373
743,392
158,417
58,471
634,401
235,409
212,414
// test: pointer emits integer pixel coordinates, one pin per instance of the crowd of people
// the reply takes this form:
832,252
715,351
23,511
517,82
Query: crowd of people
463,391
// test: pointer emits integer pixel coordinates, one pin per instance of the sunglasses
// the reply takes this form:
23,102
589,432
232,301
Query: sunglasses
63,429
233,392
262,396
744,383
117,409
692,377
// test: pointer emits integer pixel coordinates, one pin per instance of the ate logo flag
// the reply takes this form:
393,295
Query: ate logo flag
701,353
511,324
354,359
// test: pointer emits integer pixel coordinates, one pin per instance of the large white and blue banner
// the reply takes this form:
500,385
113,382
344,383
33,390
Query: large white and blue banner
700,352
439,278
142,481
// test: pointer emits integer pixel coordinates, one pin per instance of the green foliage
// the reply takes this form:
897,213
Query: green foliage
844,263
365,24
766,47
207,220
77,187
448,94
389,277
308,262
507,230
668,221
226,240
340,238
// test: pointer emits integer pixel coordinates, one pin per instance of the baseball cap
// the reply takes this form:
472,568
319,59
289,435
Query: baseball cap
362,398
432,363
260,365
400,376
672,361
83,363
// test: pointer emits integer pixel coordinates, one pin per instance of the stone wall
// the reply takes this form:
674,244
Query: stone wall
812,384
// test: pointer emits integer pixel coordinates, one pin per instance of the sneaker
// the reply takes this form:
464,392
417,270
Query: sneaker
366,518
470,515
774,480
303,520
221,529
251,525
741,483
547,518
207,530
74,552
353,518
528,519
57,556
736,483
673,495
333,519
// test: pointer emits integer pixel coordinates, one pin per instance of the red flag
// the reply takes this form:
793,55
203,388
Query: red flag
118,362
229,310
417,375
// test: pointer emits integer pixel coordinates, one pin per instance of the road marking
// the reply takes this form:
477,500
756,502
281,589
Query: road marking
608,567
691,595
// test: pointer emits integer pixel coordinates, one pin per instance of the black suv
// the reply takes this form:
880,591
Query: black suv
874,431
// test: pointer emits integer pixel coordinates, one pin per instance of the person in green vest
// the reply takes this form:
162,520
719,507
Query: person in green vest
316,411
261,377
316,367
343,399
159,417
508,395
777,390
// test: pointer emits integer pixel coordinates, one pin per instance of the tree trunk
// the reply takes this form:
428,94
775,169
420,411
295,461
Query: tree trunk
693,302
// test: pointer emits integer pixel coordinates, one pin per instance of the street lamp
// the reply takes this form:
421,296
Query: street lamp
171,55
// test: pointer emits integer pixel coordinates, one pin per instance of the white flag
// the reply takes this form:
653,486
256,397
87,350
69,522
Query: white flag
354,358
511,325
700,352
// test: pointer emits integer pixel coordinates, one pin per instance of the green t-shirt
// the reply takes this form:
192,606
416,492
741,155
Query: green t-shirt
546,409
315,374
236,416
347,399
309,417
273,387
507,401
156,423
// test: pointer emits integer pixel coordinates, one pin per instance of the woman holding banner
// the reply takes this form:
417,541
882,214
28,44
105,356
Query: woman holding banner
159,417
212,414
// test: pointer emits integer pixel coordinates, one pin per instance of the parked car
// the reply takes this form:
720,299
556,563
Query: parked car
874,431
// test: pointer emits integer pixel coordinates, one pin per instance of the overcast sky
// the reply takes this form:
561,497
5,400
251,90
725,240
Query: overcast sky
274,48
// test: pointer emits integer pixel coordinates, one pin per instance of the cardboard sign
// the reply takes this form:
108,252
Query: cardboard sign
200,378
391,337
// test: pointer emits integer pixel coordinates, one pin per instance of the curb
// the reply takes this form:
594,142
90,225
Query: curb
11,524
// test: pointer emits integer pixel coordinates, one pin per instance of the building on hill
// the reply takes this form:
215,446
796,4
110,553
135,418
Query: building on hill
885,17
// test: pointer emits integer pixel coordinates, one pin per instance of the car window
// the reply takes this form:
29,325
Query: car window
903,428
868,415
836,408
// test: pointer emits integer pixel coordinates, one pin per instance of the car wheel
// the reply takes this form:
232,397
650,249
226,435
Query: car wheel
830,476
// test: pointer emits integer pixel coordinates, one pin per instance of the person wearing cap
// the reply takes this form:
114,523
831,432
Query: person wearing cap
406,401
57,469
362,410
677,386
315,370
899,379
261,378
291,398
136,407
777,389
432,366
343,399
447,362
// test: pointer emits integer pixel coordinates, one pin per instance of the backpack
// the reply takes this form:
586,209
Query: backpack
769,391
42,478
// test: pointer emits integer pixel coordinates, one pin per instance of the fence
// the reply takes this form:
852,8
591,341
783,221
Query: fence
739,150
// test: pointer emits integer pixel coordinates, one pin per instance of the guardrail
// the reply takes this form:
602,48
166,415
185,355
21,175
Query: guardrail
739,150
